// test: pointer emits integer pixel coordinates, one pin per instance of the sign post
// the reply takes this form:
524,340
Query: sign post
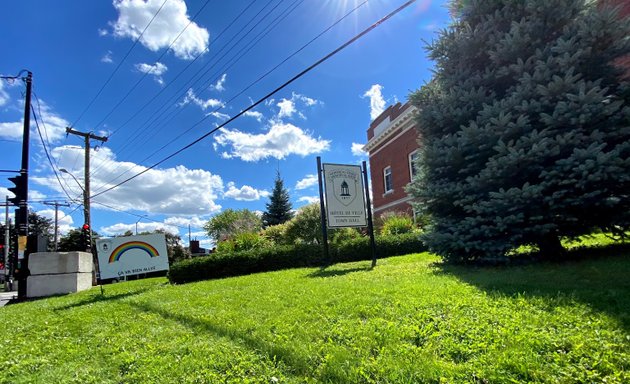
347,199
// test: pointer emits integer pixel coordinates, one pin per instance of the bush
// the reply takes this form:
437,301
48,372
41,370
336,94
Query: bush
342,235
246,262
277,234
220,265
243,242
396,223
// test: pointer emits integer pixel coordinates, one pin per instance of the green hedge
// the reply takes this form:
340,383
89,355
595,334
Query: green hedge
288,256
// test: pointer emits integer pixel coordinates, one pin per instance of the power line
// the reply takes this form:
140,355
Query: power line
140,131
47,154
191,81
299,75
149,72
260,78
118,66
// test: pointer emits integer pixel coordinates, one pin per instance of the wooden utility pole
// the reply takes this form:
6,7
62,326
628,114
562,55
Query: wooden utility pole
86,194
86,177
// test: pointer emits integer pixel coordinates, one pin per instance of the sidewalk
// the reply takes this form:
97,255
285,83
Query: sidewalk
6,296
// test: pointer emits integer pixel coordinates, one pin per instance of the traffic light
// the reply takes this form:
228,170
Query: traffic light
86,237
20,188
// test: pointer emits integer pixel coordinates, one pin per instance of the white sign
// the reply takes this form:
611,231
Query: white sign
345,196
131,255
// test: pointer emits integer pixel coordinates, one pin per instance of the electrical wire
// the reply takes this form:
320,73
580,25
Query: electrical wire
117,67
130,91
182,91
47,154
260,78
212,79
139,132
262,99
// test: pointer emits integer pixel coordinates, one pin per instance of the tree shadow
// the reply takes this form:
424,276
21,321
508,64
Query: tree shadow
597,277
101,298
325,272
274,352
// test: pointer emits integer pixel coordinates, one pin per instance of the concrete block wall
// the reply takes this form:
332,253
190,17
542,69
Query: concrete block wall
56,273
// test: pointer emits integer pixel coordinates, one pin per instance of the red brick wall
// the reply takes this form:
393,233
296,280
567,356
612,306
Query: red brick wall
396,155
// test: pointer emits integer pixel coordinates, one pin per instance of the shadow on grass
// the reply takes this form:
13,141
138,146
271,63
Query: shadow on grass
329,272
294,361
101,298
598,277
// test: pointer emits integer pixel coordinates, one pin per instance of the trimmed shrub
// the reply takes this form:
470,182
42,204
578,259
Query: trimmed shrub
220,265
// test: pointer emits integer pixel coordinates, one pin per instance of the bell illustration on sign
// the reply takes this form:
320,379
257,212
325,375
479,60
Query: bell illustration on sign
344,189
345,186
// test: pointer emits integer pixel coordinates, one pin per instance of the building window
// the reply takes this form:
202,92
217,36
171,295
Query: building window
413,171
387,178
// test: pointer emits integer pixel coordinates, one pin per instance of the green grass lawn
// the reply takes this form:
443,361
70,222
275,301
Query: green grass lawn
410,320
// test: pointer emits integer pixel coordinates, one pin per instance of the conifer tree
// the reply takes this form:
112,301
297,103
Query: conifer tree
279,207
525,127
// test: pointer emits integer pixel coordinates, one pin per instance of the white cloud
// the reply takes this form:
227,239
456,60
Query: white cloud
135,15
12,130
35,195
64,221
204,104
5,192
107,58
184,221
220,84
52,125
102,32
287,108
357,150
256,115
121,228
219,115
377,102
4,96
157,70
174,191
279,142
309,199
307,182
245,193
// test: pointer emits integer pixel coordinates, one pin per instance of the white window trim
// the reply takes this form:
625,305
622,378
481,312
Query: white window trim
411,164
387,191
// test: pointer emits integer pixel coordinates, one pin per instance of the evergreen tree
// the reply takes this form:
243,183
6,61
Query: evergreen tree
525,127
279,207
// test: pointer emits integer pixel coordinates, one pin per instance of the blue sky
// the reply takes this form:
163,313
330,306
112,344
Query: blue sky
170,90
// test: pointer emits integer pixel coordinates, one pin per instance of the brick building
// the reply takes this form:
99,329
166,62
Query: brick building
392,145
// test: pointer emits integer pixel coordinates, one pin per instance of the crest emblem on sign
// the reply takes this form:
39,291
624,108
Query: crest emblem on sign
345,188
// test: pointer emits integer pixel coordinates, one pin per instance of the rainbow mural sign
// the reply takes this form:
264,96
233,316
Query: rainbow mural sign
119,257
141,245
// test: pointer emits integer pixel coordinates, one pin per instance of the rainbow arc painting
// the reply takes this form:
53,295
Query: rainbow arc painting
141,245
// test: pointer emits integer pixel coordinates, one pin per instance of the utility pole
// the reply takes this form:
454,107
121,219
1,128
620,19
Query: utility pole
21,216
86,193
86,177
7,242
56,204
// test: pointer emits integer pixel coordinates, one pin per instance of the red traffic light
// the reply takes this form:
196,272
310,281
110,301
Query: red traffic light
86,227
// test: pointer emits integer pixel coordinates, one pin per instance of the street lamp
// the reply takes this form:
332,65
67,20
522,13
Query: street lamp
142,217
86,200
